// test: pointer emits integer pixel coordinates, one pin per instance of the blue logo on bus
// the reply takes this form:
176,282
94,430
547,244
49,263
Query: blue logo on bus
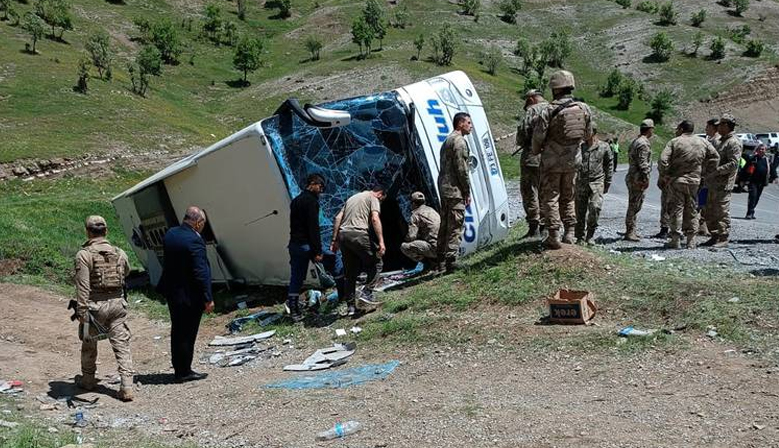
435,110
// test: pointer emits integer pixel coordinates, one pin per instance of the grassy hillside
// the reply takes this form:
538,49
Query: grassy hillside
194,104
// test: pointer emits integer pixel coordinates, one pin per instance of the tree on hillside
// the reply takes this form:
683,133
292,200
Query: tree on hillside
661,105
667,14
717,48
611,87
557,48
229,35
401,17
444,45
99,49
628,89
625,4
241,9
212,22
362,35
285,8
83,75
419,44
6,7
755,48
144,28
647,6
56,14
375,18
164,36
662,46
697,41
248,56
509,9
493,59
148,62
35,27
314,46
698,18
741,6
470,7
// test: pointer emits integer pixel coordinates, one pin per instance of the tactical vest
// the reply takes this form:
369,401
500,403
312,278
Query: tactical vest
568,126
107,274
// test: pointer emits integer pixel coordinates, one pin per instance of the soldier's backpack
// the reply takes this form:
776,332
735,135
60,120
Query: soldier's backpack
568,123
107,274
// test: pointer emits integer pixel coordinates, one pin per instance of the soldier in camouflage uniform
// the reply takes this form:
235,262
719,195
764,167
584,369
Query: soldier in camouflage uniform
637,178
529,163
721,181
682,163
593,180
421,240
665,215
455,190
100,273
561,128
712,137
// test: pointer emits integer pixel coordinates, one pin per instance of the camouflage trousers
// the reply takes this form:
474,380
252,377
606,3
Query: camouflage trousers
112,316
665,215
529,182
451,231
419,250
718,211
589,201
636,195
682,207
558,200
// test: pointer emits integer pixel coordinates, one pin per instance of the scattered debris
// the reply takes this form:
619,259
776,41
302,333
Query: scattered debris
356,330
242,305
263,319
571,307
236,357
634,332
325,358
758,427
157,338
338,379
7,424
48,407
338,431
220,341
734,300
655,257
340,332
11,387
712,332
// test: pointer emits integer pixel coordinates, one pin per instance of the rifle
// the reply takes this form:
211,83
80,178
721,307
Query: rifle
102,333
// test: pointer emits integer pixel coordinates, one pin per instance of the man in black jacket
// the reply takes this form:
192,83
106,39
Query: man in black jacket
186,285
305,239
758,175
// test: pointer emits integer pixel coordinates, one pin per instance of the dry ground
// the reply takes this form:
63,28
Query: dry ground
522,390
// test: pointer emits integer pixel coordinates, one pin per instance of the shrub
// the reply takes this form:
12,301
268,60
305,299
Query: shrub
165,36
83,75
419,44
35,27
241,4
374,16
493,60
557,48
611,87
313,45
668,14
401,17
7,8
56,14
534,81
362,35
755,48
648,6
725,3
285,8
697,41
739,34
625,4
509,9
661,105
470,7
148,62
248,56
229,34
628,89
99,48
443,43
144,27
662,46
698,18
717,48
212,22
741,6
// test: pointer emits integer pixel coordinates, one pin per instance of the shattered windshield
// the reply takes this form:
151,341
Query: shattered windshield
377,147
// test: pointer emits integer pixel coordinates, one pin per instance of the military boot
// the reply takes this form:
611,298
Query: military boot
568,237
663,234
126,389
691,241
86,381
590,234
674,243
630,235
292,307
722,241
711,241
532,231
553,240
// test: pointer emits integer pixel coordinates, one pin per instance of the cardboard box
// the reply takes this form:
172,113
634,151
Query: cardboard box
571,307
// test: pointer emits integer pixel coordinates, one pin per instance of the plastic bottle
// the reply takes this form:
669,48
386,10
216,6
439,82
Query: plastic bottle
314,297
332,297
80,420
339,430
634,332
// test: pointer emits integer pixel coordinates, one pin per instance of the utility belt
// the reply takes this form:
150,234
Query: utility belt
106,296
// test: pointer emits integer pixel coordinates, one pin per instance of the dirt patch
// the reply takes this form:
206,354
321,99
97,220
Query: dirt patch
573,256
10,266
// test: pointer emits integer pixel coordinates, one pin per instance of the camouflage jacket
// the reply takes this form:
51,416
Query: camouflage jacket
424,225
596,164
525,135
685,158
724,177
553,136
453,182
84,266
639,161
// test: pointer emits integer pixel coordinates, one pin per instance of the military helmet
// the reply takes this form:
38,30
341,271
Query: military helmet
562,79
95,222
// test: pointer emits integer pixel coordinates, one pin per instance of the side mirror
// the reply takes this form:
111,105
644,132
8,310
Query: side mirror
333,118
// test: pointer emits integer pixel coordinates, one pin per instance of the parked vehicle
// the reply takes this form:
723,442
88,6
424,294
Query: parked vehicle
771,139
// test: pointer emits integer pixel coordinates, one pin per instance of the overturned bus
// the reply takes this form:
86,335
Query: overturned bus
246,182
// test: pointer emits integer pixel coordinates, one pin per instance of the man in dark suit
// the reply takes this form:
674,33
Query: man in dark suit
186,285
